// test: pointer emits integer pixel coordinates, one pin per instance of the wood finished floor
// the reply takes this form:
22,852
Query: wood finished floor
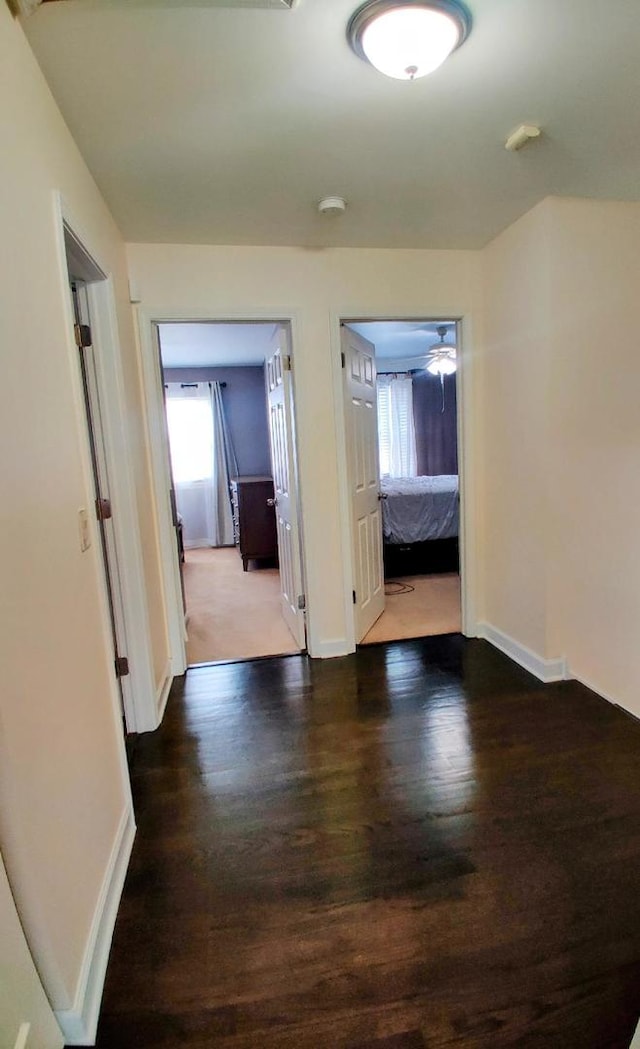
415,846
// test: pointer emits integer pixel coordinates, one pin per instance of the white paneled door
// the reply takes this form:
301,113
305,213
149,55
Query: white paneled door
363,473
283,462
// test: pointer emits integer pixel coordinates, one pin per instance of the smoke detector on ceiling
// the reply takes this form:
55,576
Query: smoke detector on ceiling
519,138
332,205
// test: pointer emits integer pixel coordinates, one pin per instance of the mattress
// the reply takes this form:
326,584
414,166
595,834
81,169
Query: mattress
419,508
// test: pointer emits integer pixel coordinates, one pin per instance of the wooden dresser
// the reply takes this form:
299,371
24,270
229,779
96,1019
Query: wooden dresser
254,521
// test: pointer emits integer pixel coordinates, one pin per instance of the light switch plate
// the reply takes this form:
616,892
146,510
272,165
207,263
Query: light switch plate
83,526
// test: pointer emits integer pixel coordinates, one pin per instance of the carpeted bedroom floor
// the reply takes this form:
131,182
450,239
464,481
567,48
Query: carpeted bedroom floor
233,614
418,606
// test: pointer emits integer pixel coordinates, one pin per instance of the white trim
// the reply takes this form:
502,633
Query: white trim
598,691
159,461
467,541
330,649
162,693
23,1035
546,670
80,1022
139,688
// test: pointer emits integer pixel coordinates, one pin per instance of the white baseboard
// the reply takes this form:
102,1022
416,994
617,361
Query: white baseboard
330,649
162,693
545,669
79,1024
616,702
23,1036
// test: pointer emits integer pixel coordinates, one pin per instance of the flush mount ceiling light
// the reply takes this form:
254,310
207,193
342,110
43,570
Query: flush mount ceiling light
407,39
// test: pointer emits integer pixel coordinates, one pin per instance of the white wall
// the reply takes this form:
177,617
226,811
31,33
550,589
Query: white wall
23,999
595,440
63,785
513,486
317,288
560,484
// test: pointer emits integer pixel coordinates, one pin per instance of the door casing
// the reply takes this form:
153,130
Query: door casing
148,320
140,693
466,464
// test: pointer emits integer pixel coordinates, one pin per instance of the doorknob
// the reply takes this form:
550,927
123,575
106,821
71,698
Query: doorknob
272,502
382,495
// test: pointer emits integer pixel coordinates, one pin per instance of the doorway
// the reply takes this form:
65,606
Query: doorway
402,424
90,305
228,405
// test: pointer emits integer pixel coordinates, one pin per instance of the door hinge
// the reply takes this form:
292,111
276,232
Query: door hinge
103,509
286,362
122,666
354,596
343,359
302,604
82,333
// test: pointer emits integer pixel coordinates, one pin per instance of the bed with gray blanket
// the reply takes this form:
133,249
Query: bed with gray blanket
417,509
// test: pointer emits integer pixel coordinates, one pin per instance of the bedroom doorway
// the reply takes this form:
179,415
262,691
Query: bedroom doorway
402,428
228,406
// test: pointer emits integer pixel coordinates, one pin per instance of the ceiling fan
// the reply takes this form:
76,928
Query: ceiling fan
27,7
441,357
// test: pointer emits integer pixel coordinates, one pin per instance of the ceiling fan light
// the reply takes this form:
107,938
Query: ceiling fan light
406,39
442,366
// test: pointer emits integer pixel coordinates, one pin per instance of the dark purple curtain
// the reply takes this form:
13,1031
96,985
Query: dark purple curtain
436,434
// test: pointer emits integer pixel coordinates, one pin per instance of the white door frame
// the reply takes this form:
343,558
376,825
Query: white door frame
148,321
466,470
139,692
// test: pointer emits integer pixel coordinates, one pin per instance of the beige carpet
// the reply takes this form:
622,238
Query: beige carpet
432,607
232,614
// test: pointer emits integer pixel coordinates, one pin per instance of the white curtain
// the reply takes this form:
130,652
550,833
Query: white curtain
198,463
396,430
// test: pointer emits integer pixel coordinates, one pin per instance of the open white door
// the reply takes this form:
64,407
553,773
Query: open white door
283,461
363,476
102,492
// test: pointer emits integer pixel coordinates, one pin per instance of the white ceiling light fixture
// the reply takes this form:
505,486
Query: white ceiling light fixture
406,39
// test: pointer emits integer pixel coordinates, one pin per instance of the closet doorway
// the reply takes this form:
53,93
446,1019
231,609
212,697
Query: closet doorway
402,428
228,400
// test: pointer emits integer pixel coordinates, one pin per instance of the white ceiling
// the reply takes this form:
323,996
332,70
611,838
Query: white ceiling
402,343
215,345
204,124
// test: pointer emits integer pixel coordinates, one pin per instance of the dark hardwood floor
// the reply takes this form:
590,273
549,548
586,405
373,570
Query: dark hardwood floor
415,846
